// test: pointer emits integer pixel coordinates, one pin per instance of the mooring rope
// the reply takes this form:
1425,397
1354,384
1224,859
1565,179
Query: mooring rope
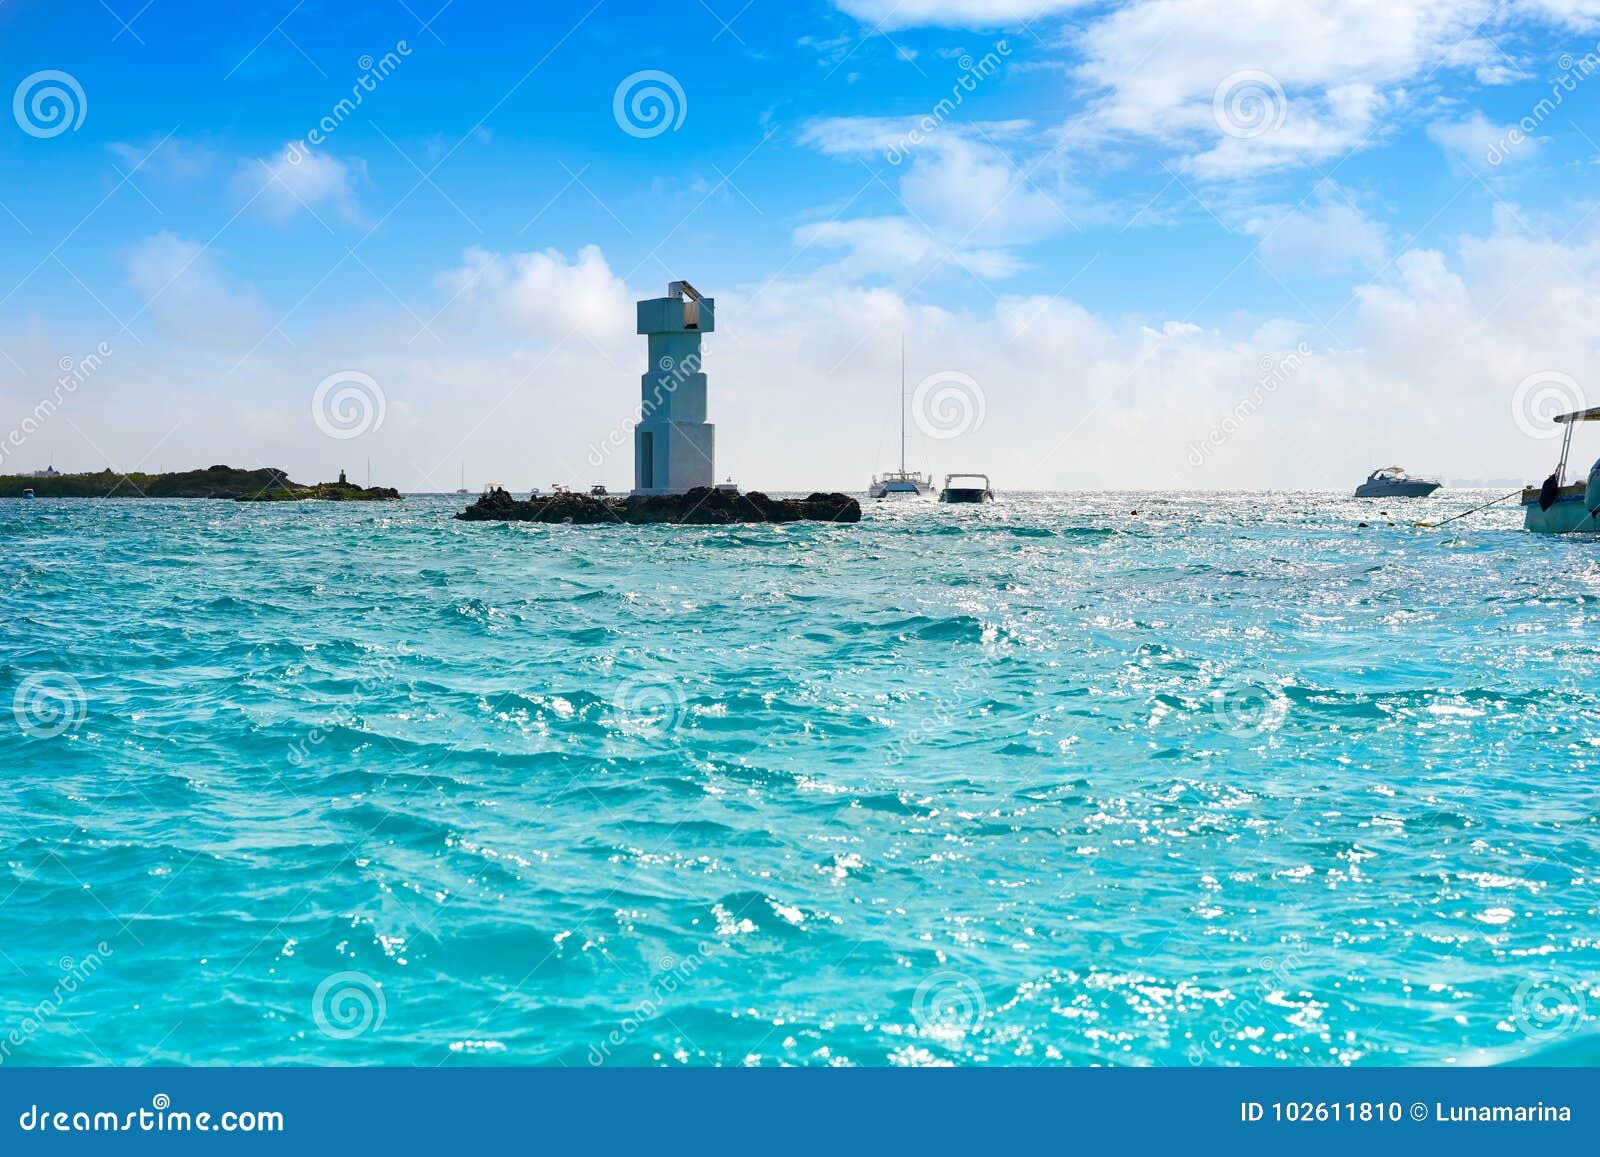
1474,510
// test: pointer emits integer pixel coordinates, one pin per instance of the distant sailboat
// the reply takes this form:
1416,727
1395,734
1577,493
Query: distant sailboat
463,489
901,481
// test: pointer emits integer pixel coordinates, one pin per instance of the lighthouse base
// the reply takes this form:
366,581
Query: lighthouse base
673,457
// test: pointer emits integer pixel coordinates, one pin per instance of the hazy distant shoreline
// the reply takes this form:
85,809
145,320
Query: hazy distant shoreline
266,484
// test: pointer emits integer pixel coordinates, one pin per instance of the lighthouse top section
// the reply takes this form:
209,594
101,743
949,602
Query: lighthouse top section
683,310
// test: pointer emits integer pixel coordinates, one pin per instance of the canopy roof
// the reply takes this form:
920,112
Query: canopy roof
1589,415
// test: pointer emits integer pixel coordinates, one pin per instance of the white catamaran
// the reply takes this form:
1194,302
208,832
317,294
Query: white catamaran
901,481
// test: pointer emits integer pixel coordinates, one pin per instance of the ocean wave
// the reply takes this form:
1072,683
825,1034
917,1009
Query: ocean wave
1044,784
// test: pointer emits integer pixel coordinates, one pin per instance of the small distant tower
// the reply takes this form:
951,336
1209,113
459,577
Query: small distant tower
673,443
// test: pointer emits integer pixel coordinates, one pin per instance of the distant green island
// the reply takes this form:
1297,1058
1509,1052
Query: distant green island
267,484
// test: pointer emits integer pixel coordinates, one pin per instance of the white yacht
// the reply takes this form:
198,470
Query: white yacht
1393,482
901,482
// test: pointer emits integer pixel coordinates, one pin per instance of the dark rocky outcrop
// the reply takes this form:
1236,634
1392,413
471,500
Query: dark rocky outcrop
701,506
340,491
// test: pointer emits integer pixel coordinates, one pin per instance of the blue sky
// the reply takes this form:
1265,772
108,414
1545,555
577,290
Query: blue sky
1159,243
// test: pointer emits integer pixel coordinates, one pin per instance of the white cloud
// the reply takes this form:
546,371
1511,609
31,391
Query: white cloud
1478,144
1576,14
168,158
535,362
966,200
1455,338
187,295
845,136
893,246
1338,72
830,50
1327,236
545,295
300,180
1345,72
1313,128
1500,72
974,188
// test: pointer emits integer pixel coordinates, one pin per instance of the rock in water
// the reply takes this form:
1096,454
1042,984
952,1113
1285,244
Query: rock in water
702,506
340,491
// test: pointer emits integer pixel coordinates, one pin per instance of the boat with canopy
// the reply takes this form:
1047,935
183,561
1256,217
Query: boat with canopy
966,488
1560,507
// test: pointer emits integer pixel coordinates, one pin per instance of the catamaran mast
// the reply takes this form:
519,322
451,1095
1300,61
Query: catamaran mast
902,405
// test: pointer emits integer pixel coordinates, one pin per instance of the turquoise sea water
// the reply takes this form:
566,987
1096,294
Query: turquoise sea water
1232,781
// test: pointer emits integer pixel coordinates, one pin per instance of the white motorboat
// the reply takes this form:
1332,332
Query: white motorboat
966,488
1393,482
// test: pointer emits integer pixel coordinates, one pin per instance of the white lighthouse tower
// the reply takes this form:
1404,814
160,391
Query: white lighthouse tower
673,443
